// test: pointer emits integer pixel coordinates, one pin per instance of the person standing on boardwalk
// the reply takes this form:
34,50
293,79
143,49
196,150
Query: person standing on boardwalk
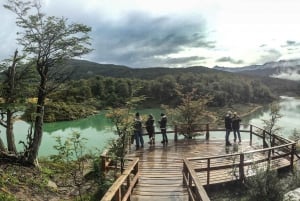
163,128
236,126
150,129
138,131
228,127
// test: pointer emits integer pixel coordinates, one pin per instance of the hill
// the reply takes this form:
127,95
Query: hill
284,69
83,69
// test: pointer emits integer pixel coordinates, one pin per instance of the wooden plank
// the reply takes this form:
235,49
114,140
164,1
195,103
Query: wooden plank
161,165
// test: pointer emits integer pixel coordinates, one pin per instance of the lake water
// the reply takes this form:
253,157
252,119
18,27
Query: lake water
97,129
290,112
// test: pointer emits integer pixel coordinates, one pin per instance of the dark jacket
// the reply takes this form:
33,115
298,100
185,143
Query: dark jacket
236,122
228,122
150,125
163,122
137,124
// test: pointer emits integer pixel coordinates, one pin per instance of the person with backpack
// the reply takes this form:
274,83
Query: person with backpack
228,127
138,131
163,128
150,129
236,126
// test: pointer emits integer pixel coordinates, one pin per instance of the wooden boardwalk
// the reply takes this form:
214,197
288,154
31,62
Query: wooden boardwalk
161,166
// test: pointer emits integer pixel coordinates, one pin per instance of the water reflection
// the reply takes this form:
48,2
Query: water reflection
97,122
98,130
290,111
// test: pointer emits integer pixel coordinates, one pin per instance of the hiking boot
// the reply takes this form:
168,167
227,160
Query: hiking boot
228,144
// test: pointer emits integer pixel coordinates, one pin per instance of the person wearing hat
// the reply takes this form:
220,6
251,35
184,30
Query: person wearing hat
228,127
236,126
150,129
163,128
138,131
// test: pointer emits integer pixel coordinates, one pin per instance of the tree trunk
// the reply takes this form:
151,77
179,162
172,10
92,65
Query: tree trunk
11,146
38,124
2,146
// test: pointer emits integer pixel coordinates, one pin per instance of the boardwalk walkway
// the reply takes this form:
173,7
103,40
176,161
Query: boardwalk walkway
161,166
162,170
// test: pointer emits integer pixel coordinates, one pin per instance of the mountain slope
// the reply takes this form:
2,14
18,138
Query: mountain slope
85,69
282,69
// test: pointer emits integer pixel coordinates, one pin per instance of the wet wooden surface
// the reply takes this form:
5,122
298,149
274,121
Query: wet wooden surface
161,166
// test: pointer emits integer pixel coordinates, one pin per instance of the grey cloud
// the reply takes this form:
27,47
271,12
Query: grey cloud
291,43
184,60
229,60
270,55
140,40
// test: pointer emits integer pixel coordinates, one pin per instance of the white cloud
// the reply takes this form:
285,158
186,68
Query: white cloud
237,29
289,75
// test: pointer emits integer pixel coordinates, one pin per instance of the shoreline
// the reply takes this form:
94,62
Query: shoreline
251,111
216,115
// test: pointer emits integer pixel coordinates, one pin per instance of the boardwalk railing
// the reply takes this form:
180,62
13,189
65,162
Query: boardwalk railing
195,189
276,152
123,186
241,165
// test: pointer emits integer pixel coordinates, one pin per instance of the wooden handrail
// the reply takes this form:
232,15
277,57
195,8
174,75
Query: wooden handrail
195,189
191,180
241,163
127,181
105,161
236,154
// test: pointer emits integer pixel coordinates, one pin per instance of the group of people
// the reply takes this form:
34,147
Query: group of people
149,125
232,123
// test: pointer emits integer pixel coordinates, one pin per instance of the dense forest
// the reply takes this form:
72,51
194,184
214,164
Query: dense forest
91,88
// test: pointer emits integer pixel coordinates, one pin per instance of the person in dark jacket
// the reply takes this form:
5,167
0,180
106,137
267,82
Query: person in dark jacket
228,127
236,126
150,129
163,128
138,131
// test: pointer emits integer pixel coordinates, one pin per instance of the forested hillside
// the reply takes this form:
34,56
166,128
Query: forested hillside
86,69
94,87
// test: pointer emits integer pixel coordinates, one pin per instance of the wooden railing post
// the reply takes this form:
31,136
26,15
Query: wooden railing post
241,167
292,156
207,132
273,143
269,158
175,134
136,170
208,171
264,138
103,163
118,196
251,135
184,172
190,184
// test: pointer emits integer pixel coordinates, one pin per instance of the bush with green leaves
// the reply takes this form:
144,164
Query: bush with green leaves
265,185
5,197
71,154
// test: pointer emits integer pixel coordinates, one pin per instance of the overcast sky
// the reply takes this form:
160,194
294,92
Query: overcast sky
177,33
